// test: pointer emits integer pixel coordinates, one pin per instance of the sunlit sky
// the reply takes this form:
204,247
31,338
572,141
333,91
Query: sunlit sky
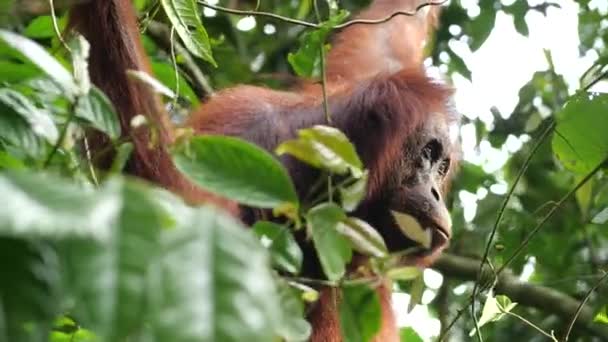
499,69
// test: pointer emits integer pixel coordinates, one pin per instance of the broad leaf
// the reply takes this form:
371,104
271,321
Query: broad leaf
363,237
284,250
237,170
333,249
16,131
98,112
293,326
416,292
216,284
353,194
324,147
39,119
79,49
29,289
49,207
186,20
409,335
580,140
360,313
481,26
35,54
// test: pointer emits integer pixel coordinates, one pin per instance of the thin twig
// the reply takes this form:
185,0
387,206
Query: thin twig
537,328
316,26
63,133
553,210
582,304
501,212
56,26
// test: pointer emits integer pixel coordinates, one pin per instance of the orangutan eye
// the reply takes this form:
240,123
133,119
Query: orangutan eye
432,151
444,167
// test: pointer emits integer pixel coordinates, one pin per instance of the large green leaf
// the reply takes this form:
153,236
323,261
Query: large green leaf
40,120
324,147
35,54
360,313
333,249
16,131
216,283
409,335
186,20
29,290
482,25
49,207
237,170
363,237
98,112
284,250
197,277
580,140
293,326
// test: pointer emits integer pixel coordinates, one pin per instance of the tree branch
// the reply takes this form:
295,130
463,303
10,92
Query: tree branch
526,294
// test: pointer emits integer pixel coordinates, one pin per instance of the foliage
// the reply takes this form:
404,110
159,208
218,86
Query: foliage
94,255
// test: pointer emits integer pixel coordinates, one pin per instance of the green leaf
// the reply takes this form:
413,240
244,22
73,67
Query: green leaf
471,177
217,284
12,72
601,217
35,54
333,249
416,292
284,250
602,316
15,131
98,112
481,27
404,273
43,206
9,162
79,50
518,10
237,170
39,120
352,195
306,61
363,237
324,147
360,313
205,279
40,27
335,141
123,153
185,17
580,140
409,335
165,73
29,288
494,310
293,326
